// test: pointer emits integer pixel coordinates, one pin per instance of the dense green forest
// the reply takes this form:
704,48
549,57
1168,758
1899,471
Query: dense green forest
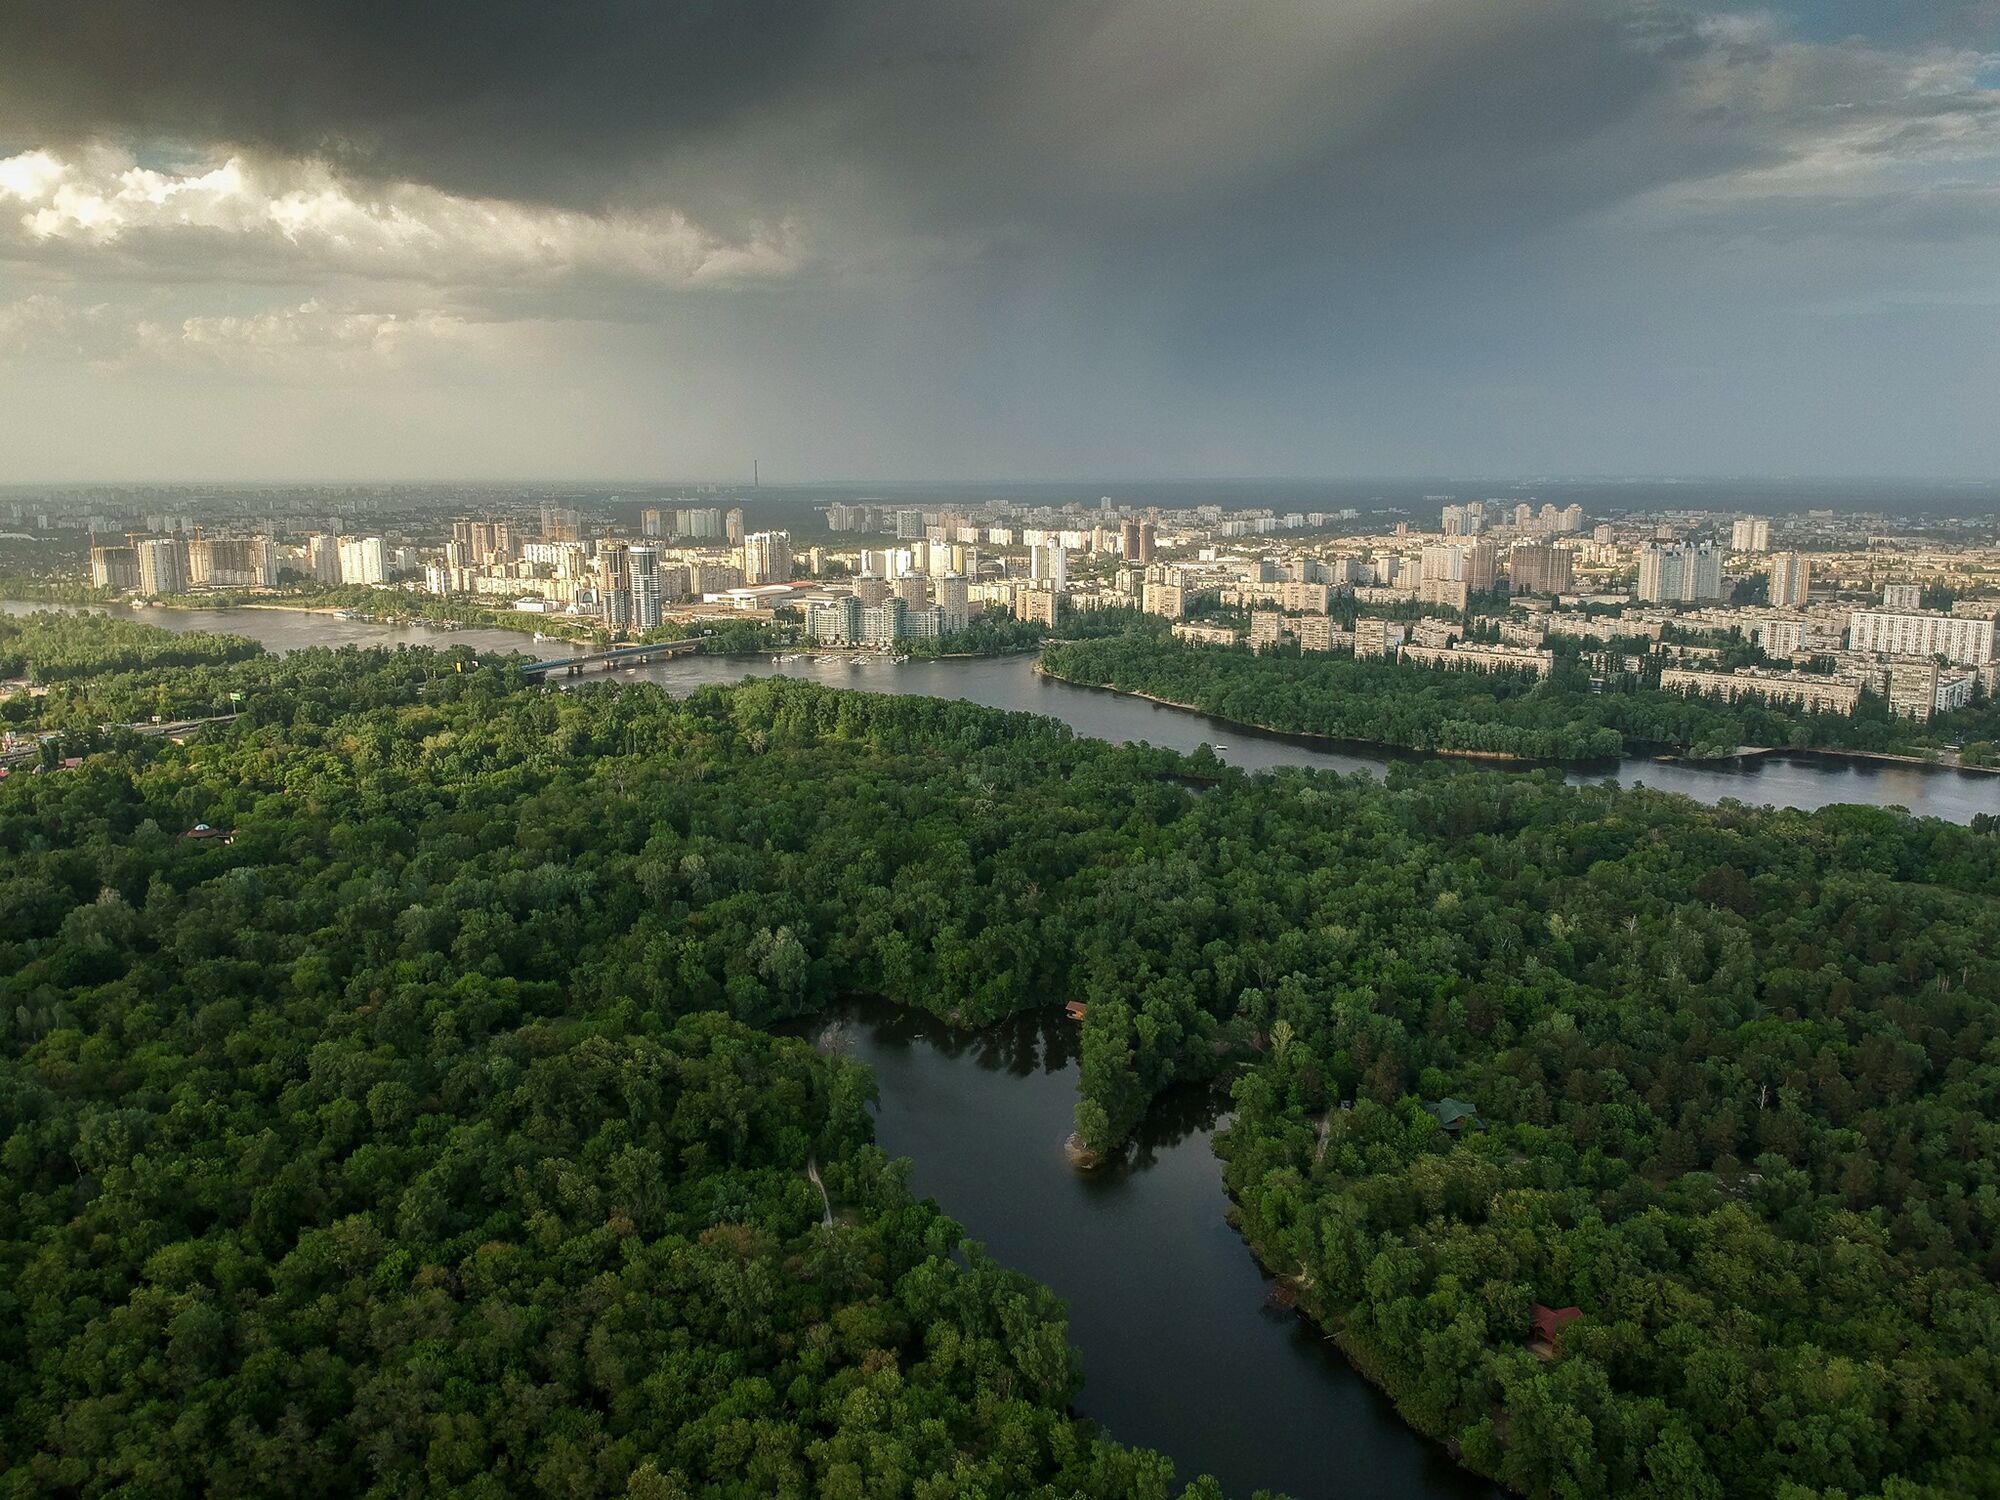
88,671
1423,708
428,1136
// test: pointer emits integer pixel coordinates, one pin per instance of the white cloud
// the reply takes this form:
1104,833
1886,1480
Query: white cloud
310,340
1861,137
302,218
281,340
44,325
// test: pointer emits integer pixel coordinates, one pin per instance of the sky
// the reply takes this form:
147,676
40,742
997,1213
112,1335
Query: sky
925,239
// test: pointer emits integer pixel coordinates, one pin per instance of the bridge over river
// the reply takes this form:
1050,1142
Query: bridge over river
613,658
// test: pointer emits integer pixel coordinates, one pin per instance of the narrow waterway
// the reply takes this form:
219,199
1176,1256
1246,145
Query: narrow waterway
1792,780
1181,1350
1802,781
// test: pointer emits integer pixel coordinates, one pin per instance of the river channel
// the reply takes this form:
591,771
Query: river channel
1803,780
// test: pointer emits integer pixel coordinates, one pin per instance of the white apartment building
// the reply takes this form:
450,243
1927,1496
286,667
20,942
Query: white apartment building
361,560
1750,534
1921,633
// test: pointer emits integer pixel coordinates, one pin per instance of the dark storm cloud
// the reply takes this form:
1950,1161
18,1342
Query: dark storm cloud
939,118
499,97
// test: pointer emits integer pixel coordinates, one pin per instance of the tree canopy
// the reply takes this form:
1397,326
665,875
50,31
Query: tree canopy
434,1131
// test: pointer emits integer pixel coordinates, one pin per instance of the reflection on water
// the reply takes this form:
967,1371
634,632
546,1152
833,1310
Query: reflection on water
1181,1349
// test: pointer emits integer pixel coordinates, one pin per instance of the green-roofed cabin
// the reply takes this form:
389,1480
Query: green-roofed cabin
1456,1116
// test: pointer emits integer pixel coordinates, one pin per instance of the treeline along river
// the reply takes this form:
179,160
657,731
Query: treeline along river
1802,780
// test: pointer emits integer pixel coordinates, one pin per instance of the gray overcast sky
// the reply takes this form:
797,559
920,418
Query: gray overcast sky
295,239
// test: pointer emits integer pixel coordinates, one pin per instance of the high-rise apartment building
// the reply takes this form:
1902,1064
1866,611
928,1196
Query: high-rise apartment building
1540,568
1791,578
882,624
1038,605
642,571
486,543
162,564
231,562
1903,596
1680,574
615,586
1049,564
362,560
767,557
716,578
732,527
323,557
1482,567
1464,520
652,522
952,602
1473,564
114,568
1750,534
1166,598
837,622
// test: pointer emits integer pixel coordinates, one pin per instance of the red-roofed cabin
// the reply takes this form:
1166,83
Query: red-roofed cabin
1545,1326
1075,1009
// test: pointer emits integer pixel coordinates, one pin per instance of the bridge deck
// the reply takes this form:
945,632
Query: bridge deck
614,655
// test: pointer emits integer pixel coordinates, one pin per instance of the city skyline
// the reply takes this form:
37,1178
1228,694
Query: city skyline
899,243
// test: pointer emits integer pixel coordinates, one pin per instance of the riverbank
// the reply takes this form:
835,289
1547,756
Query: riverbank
1142,1251
1497,757
1737,756
1361,1354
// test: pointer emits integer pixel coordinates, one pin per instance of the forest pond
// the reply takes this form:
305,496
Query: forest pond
1181,1348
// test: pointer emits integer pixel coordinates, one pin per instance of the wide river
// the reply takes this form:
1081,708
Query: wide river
1180,1350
